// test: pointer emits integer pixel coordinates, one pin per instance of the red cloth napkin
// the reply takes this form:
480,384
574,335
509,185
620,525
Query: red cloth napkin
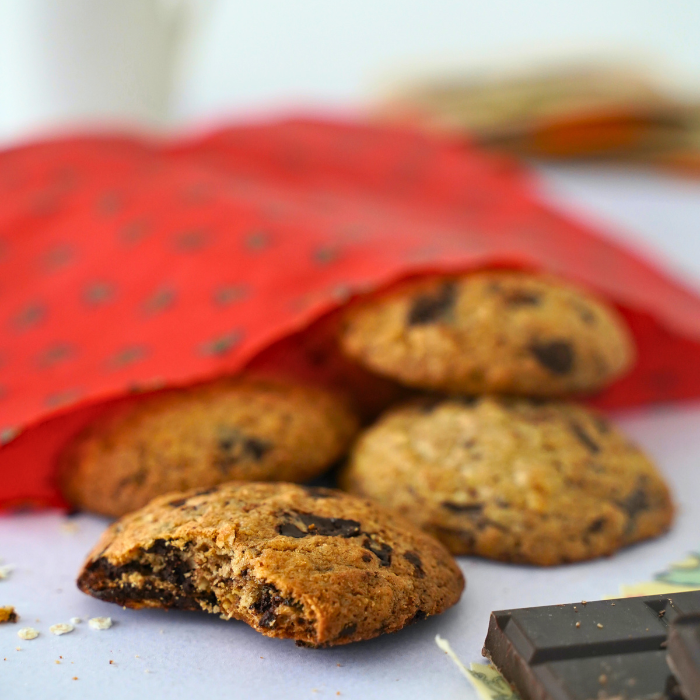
128,265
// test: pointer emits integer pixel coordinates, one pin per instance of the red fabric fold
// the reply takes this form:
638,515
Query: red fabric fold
129,265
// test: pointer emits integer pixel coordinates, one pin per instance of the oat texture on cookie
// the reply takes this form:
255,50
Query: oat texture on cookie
539,482
490,332
311,564
250,429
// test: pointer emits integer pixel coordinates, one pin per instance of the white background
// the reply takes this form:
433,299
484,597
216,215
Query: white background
66,62
72,62
273,51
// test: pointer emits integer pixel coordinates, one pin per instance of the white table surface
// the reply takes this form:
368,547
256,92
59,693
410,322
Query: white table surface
185,655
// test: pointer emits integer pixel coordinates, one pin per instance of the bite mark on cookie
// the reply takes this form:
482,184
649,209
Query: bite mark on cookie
164,576
162,573
268,603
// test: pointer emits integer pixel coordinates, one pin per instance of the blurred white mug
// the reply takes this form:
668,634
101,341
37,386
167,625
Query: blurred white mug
71,63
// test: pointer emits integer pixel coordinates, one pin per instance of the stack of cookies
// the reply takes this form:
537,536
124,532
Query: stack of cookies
311,564
500,466
487,459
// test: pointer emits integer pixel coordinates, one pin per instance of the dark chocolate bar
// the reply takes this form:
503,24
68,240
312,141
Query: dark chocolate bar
588,651
684,654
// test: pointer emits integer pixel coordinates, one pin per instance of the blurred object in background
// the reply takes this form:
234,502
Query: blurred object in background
685,157
563,112
86,63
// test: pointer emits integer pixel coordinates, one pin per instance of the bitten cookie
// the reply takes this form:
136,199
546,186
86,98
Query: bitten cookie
512,479
490,332
311,564
248,429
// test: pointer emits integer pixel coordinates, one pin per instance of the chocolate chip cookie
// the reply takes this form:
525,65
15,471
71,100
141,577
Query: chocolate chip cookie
512,479
305,563
490,332
251,429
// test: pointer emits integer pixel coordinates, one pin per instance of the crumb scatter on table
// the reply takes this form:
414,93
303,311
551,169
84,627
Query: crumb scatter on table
28,633
100,623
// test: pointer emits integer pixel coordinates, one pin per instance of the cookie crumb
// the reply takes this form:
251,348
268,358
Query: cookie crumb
75,620
57,661
75,678
61,628
578,624
8,614
5,571
100,623
27,633
111,663
599,626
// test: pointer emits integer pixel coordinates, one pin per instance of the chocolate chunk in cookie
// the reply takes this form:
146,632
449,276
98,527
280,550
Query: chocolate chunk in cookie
557,356
308,525
429,308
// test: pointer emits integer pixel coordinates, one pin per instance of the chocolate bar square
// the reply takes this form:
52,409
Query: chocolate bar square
684,654
588,650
